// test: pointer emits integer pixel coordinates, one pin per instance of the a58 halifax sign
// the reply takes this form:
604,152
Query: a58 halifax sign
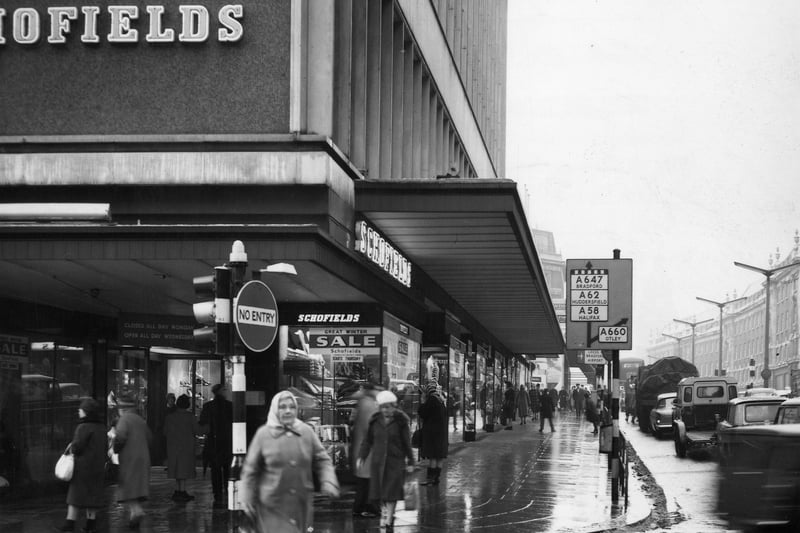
599,304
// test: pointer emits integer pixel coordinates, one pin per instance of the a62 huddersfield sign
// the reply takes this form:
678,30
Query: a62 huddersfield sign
599,304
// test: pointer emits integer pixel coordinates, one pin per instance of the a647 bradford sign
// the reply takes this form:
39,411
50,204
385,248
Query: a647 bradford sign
599,304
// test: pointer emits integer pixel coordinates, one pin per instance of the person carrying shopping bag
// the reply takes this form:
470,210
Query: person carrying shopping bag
389,438
86,488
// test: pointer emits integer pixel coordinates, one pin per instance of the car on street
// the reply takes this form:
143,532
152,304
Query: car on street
701,403
744,412
788,412
760,478
661,414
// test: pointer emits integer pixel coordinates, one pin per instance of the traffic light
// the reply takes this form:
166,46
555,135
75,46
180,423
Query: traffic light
214,315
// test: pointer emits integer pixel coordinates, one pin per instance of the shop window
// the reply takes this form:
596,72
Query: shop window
127,382
54,381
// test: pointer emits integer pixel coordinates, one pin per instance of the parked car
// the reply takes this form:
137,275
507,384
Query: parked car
743,412
759,391
661,414
760,480
788,412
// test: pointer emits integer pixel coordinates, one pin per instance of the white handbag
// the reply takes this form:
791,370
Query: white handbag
65,465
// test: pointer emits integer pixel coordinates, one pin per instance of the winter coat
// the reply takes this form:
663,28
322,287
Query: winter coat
132,443
534,397
546,405
277,477
365,408
89,445
522,403
391,446
217,418
433,433
509,399
180,427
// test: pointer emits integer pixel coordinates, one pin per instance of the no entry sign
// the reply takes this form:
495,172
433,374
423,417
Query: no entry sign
256,316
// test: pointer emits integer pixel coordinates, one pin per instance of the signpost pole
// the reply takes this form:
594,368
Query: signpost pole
238,265
615,440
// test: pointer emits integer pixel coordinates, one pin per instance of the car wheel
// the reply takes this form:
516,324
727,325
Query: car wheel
654,431
680,447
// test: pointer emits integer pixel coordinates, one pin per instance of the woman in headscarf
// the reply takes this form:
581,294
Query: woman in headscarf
277,482
433,434
86,489
180,428
389,438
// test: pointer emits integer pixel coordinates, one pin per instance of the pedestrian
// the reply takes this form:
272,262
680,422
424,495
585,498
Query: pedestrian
278,473
579,401
535,396
563,399
86,488
454,404
216,419
180,428
523,405
509,400
389,437
366,407
433,433
546,408
160,437
630,400
592,411
132,443
553,398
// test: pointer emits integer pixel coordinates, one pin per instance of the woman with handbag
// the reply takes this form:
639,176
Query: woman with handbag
389,439
277,484
86,488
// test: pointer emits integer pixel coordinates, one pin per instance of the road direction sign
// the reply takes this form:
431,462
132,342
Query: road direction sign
599,304
255,313
594,357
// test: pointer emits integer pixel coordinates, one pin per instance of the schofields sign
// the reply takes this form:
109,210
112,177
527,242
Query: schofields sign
373,245
26,25
95,67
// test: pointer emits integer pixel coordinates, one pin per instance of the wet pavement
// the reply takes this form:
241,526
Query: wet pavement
511,481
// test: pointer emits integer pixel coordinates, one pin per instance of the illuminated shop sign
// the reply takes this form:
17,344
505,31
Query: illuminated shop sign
372,244
121,24
345,341
324,318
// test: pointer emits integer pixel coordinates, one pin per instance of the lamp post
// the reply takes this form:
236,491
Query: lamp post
692,325
721,306
678,339
766,373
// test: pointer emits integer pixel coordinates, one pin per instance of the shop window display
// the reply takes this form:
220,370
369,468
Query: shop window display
127,382
53,383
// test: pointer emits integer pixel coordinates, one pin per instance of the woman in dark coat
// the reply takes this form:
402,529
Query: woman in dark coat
433,434
390,438
180,428
86,489
509,404
132,443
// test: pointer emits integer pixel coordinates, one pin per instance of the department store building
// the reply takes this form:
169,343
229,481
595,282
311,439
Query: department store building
360,141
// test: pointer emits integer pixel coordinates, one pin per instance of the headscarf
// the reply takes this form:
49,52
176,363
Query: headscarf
274,421
432,389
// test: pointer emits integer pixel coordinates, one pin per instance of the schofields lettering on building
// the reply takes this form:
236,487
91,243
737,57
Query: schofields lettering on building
124,23
370,243
320,318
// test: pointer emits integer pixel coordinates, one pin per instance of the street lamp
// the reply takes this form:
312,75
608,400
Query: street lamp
692,325
721,305
766,373
679,339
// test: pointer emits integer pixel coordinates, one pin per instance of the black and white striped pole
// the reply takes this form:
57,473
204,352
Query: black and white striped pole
238,264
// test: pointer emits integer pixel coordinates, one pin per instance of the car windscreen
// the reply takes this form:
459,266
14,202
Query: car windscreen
760,413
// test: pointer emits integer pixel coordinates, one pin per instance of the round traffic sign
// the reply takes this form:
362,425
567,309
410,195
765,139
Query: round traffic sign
256,316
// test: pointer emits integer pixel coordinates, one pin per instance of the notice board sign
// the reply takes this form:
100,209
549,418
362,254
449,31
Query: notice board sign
599,304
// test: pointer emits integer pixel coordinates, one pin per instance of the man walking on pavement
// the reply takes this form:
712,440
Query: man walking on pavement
546,411
217,420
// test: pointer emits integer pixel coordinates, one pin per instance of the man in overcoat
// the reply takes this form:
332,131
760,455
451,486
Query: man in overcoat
216,419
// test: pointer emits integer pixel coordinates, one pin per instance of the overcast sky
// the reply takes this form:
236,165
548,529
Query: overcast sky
669,130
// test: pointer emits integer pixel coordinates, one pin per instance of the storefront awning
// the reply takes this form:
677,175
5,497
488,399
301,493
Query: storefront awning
471,238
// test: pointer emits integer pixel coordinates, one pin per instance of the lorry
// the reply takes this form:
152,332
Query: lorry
697,410
660,377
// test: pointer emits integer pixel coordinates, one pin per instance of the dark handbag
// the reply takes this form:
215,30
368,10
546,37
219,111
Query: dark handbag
416,438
